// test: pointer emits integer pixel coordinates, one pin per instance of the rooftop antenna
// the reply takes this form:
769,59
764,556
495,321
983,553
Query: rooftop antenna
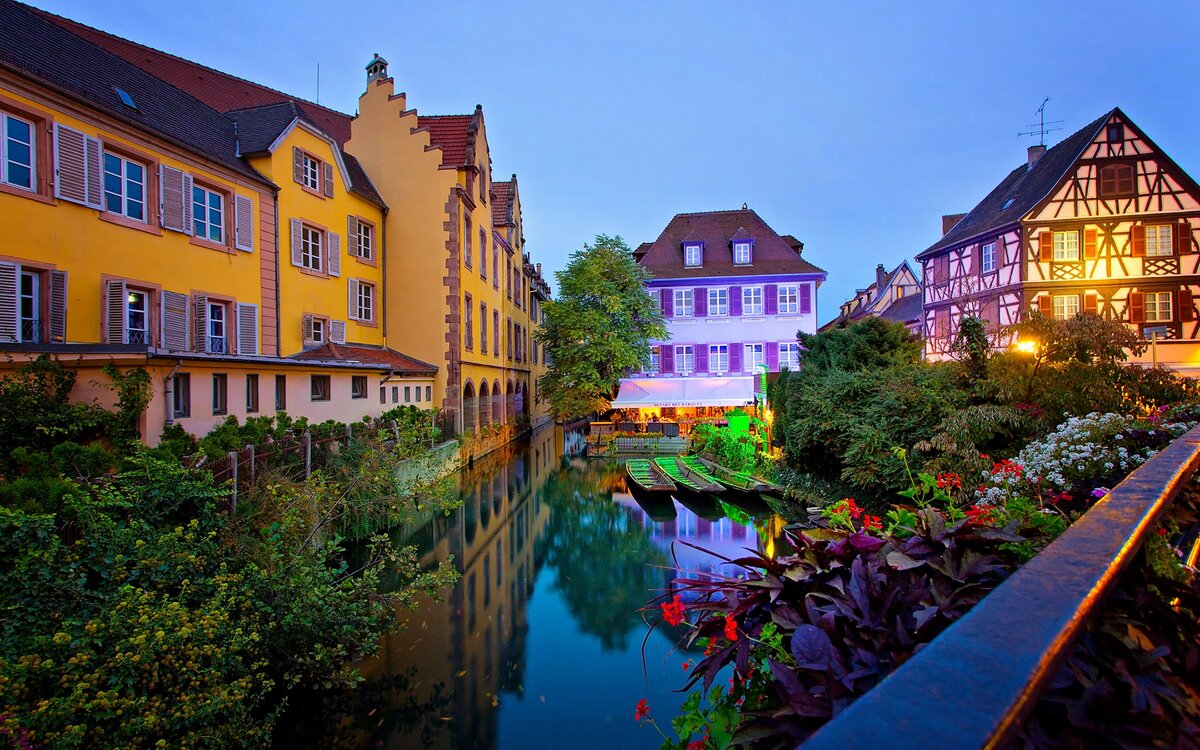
1039,128
318,82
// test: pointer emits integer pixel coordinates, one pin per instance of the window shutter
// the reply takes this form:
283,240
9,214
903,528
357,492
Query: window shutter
352,235
58,306
1137,237
171,197
334,242
735,300
93,155
666,358
700,302
1183,238
1045,305
735,357
306,325
297,164
1091,303
1045,246
701,358
328,181
351,308
1089,244
296,260
1186,311
200,341
668,303
175,321
771,299
337,331
243,212
70,164
247,323
114,312
806,299
1000,251
773,356
10,275
187,204
1137,307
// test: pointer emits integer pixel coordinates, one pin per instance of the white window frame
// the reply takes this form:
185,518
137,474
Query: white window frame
126,200
310,172
365,304
753,356
1065,306
218,328
741,253
366,241
718,357
693,256
655,360
750,305
202,214
987,257
32,300
130,310
1161,303
717,306
685,359
789,355
789,299
1066,245
312,245
680,309
317,333
1163,240
6,158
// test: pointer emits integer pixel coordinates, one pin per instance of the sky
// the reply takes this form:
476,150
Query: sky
852,125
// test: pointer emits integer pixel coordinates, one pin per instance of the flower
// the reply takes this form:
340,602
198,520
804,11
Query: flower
673,611
979,515
949,481
643,710
847,505
730,628
700,743
871,523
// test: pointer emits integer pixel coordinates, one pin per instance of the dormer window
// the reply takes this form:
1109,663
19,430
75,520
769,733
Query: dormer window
741,253
693,255
1116,133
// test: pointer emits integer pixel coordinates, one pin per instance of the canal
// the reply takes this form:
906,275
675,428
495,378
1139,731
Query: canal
540,643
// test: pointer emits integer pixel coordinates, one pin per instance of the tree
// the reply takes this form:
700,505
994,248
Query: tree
598,328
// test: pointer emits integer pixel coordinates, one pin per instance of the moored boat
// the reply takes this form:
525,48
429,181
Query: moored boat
742,482
648,477
687,480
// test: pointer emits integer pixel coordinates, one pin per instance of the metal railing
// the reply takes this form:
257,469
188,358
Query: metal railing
33,331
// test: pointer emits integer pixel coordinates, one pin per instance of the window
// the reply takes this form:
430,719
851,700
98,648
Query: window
683,303
417,394
899,292
208,214
358,386
220,394
1066,245
483,337
281,393
216,328
17,150
124,187
407,394
310,247
495,264
693,256
316,330
987,258
366,241
428,393
741,253
383,394
310,172
685,359
718,358
789,300
365,307
467,251
495,332
319,388
1159,240
752,300
1158,307
654,363
1066,306
181,395
482,253
755,355
1115,133
251,393
137,319
395,394
469,324
789,355
29,308
1116,180
718,302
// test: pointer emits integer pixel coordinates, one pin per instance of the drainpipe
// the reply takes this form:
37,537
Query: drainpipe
383,271
168,395
278,331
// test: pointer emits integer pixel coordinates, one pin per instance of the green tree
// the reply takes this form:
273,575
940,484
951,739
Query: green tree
598,328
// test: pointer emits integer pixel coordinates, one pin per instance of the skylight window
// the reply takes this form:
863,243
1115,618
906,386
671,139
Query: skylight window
126,99
1007,203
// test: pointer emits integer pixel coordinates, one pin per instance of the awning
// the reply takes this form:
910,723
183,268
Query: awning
642,393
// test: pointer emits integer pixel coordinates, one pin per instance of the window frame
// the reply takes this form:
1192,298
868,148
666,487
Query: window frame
220,394
6,160
366,296
181,395
307,233
1116,184
655,359
469,322
1060,253
1061,311
688,260
746,246
147,296
716,308
124,161
318,169
677,297
1157,304
280,392
217,322
718,361
749,356
366,242
984,257
748,307
209,193
252,394
788,308
792,363
320,388
38,302
1161,249
685,359
358,387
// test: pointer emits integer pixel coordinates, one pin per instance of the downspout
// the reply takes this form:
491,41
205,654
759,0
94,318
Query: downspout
278,330
168,394
383,271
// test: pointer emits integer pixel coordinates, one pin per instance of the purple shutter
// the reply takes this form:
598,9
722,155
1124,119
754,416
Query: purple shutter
700,302
806,299
735,357
773,356
10,284
666,358
701,351
668,303
735,300
771,299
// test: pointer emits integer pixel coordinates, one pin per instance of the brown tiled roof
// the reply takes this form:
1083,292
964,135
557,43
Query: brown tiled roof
502,202
772,253
375,355
221,91
904,310
452,133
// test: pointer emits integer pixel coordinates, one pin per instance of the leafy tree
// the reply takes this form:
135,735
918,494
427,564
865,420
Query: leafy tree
598,328
865,345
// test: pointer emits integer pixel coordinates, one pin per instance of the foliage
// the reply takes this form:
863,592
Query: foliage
869,344
733,450
972,347
36,413
597,328
134,392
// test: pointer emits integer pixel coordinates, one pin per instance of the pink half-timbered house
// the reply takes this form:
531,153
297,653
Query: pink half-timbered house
1104,222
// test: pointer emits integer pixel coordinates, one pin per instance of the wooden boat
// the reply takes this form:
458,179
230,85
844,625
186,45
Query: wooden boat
739,482
687,480
648,477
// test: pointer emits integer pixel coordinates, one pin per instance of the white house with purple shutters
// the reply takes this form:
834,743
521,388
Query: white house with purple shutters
734,294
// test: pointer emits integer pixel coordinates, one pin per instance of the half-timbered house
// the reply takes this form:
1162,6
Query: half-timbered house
1104,222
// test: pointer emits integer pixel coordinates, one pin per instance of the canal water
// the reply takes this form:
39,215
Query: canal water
542,643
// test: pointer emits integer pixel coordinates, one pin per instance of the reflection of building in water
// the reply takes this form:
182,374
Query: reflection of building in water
493,540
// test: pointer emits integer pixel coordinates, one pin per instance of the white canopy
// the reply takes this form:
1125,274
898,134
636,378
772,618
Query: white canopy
658,392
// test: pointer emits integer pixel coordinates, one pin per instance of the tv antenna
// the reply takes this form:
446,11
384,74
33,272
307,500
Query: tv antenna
1039,128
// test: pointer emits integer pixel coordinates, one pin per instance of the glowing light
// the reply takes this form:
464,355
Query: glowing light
1028,346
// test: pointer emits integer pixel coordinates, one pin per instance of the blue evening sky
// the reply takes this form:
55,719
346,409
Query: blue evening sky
852,125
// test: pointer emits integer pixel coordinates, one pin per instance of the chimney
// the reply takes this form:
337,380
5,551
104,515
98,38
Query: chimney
948,222
880,275
1035,153
377,68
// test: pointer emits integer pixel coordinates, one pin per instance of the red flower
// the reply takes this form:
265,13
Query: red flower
710,649
673,611
847,505
687,665
871,523
643,710
700,743
730,628
950,481
979,515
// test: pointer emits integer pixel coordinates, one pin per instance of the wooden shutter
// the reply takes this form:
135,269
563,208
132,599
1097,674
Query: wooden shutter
1183,237
1089,244
700,302
1001,249
771,299
352,307
773,356
172,198
1137,307
668,303
243,214
337,331
77,167
175,321
297,164
1045,246
1045,305
10,277
806,299
701,351
352,235
735,300
58,306
1137,237
1091,303
306,326
247,328
296,257
666,358
94,156
114,312
200,339
1186,311
333,242
735,357
188,227
328,181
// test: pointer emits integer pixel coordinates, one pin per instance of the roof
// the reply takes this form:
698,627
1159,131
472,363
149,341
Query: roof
1024,186
905,309
502,202
220,91
772,253
47,52
451,133
376,355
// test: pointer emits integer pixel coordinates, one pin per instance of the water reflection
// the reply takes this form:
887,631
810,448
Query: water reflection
540,643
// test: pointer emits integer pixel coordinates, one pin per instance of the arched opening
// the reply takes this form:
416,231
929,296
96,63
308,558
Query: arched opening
469,408
497,403
520,405
510,403
485,405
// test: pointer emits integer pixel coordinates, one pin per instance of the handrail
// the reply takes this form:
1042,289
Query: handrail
974,685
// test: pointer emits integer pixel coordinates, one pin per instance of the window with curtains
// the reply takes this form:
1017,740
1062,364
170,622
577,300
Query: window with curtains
181,395
1066,306
718,302
30,326
1158,307
684,303
137,317
718,358
789,355
789,299
1159,240
752,300
1066,245
685,359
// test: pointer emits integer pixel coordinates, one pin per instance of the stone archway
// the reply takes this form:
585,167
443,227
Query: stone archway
469,408
484,405
497,403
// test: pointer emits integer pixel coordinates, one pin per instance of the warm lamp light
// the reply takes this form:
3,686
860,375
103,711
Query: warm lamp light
1029,346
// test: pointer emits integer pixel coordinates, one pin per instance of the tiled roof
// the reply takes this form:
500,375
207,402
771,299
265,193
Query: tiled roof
772,253
452,133
221,91
904,310
1025,187
360,181
502,202
375,355
45,51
